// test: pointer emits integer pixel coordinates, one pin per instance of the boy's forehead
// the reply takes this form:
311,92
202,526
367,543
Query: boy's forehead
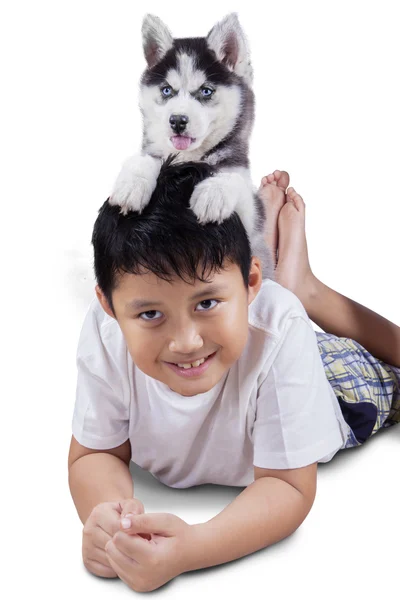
131,286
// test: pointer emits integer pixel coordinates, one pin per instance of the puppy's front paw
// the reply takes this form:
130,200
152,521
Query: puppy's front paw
132,194
211,201
135,184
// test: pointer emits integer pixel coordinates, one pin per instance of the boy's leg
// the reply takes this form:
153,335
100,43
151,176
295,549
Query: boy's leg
331,311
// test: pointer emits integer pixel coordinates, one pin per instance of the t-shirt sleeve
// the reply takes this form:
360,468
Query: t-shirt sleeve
101,413
295,423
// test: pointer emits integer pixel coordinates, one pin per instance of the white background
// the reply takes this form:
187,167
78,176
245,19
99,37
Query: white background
326,83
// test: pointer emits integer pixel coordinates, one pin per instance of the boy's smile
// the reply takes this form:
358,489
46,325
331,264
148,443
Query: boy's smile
186,335
193,368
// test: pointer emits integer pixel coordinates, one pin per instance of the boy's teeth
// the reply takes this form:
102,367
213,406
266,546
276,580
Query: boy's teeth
197,363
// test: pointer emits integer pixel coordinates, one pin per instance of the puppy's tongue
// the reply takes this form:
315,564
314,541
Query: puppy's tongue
181,142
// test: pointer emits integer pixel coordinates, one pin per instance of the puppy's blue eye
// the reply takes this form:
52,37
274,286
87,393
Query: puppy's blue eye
207,92
166,91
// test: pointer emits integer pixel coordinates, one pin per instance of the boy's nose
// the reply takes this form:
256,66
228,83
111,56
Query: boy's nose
187,343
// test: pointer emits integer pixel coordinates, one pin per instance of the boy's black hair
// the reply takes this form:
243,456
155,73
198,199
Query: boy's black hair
166,238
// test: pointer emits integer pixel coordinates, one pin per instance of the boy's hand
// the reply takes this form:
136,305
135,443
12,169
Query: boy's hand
101,525
147,564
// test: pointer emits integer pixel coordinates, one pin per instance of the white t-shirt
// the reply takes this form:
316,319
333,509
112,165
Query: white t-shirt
274,408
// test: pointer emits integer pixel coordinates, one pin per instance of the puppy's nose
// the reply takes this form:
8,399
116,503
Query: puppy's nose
178,123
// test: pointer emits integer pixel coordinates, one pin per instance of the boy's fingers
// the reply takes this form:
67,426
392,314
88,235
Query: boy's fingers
133,506
160,523
102,536
97,568
106,522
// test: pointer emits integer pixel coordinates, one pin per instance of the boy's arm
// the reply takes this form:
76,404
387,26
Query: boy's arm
97,476
268,510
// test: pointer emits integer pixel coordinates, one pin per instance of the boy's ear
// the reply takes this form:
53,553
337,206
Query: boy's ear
255,278
104,302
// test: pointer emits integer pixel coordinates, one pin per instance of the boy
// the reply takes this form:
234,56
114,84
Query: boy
197,370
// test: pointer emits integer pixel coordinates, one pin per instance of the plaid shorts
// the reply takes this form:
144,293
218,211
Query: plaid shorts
367,389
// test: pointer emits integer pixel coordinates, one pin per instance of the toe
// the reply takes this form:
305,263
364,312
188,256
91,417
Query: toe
282,179
277,174
290,193
264,181
296,199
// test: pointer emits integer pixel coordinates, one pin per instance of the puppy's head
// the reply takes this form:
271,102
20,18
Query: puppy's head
194,90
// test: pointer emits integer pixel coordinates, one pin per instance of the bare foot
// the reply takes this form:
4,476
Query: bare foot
272,193
293,270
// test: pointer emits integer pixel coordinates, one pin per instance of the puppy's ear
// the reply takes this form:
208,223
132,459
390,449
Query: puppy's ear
227,39
157,39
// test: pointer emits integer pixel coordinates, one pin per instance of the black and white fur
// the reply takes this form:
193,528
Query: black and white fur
199,89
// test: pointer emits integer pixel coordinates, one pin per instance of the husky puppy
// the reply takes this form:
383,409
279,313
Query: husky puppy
197,101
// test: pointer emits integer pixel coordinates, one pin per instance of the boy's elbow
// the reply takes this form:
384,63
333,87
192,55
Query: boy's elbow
77,451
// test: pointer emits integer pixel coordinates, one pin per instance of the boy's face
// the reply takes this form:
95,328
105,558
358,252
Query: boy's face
170,323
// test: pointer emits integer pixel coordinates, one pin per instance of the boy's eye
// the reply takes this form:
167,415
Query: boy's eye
205,305
150,315
166,91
